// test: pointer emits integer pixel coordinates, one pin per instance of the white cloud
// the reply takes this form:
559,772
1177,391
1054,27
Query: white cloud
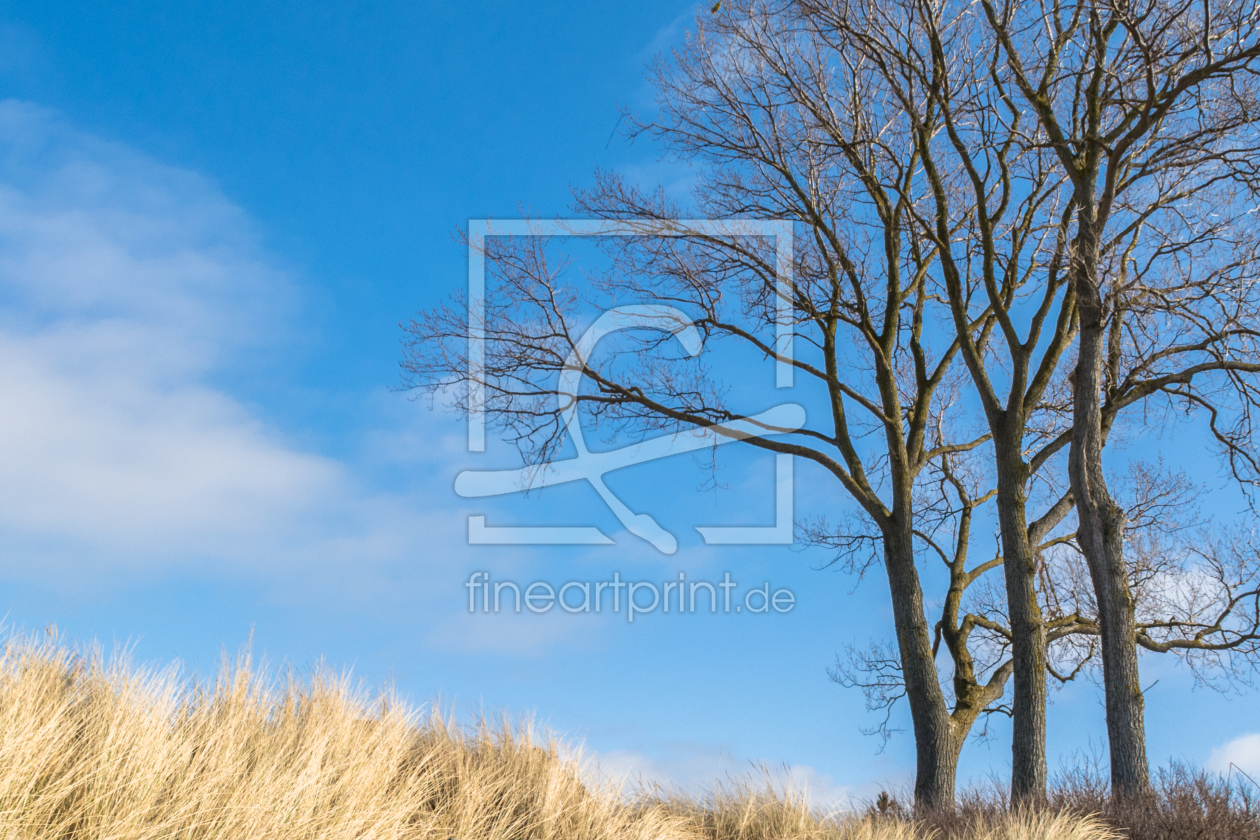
130,293
1242,752
510,632
669,36
114,456
128,290
697,769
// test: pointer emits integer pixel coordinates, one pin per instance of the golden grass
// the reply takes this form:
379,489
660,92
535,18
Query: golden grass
92,749
744,810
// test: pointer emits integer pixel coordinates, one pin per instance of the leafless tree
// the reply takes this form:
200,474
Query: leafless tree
1150,108
859,297
1105,147
876,448
997,221
939,251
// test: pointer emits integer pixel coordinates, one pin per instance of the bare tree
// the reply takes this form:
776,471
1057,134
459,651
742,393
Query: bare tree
1008,152
937,221
997,221
1150,108
786,126
534,323
859,298
835,67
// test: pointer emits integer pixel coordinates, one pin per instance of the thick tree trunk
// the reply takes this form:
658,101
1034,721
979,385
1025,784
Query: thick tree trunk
1101,537
936,744
1028,631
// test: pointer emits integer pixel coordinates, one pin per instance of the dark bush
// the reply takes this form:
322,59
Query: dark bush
1186,804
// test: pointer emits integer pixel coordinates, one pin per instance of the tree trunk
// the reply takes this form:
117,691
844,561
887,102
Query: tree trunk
1101,537
1028,631
936,744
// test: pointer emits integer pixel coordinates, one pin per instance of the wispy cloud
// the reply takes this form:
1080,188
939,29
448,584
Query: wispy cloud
129,291
669,36
698,769
1242,752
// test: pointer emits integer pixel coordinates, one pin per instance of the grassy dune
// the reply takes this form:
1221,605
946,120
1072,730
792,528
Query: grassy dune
90,748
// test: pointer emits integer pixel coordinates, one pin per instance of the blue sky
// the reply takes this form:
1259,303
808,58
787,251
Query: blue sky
213,217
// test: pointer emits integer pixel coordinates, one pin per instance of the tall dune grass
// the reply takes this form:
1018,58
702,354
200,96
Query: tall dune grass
96,749
743,809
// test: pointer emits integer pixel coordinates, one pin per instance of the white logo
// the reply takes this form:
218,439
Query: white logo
592,466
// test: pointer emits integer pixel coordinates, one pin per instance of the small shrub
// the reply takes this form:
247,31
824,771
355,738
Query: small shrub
1185,804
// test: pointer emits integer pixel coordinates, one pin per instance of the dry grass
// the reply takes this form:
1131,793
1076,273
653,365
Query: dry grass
1001,824
92,749
89,750
743,810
